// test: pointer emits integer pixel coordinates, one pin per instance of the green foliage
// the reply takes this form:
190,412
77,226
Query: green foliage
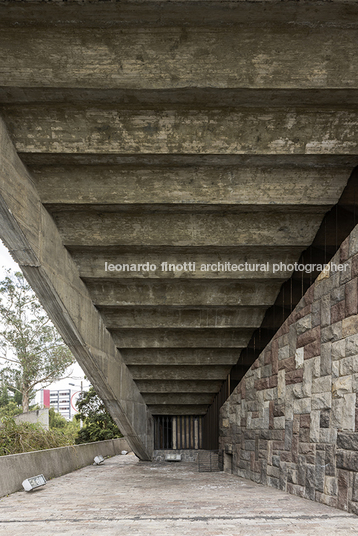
30,345
10,409
26,437
98,424
69,428
56,420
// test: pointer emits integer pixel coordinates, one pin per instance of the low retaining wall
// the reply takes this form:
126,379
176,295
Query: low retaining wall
292,422
38,416
15,468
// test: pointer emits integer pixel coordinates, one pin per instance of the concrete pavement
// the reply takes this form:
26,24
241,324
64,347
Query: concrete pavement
127,497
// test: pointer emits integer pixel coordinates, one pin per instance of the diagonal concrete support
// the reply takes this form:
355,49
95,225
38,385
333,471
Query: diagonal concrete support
34,242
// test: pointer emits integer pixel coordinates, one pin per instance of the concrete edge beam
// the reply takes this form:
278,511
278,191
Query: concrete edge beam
34,242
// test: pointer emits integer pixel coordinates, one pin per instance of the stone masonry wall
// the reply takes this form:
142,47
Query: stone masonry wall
292,422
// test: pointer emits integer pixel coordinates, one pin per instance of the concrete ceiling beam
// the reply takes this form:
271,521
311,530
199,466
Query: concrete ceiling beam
183,293
91,261
180,356
178,398
179,338
178,409
179,373
283,56
270,226
228,185
110,129
179,386
171,317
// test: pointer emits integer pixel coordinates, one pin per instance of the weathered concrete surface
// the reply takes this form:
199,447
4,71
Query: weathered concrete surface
182,293
35,244
179,356
38,416
288,56
107,130
178,386
246,228
232,185
15,468
181,338
190,317
292,422
173,131
91,261
125,497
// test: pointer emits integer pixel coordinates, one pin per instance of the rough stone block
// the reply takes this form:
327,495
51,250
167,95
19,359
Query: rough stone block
354,268
342,386
302,405
328,435
309,337
338,349
326,359
315,426
283,353
320,470
331,486
322,385
325,416
330,465
299,358
347,460
337,295
288,435
350,326
343,412
346,366
347,441
325,303
343,484
310,486
332,333
296,490
303,324
312,349
338,311
296,376
351,297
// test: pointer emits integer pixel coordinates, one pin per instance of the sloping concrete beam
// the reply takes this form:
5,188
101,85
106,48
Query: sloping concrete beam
271,226
110,129
283,56
183,293
225,185
34,242
179,338
171,317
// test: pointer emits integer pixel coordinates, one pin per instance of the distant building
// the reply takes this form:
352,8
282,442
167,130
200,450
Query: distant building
60,400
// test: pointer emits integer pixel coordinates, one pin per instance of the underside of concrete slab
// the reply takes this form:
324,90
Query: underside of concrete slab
161,166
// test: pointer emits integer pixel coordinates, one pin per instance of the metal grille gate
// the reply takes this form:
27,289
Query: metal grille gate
177,432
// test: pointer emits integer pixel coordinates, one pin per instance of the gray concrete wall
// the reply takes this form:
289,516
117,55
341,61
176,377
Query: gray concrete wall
292,422
15,468
187,455
39,416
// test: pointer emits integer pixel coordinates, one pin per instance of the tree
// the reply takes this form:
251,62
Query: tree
98,424
33,351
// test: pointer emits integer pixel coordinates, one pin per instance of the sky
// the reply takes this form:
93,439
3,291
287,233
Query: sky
75,371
